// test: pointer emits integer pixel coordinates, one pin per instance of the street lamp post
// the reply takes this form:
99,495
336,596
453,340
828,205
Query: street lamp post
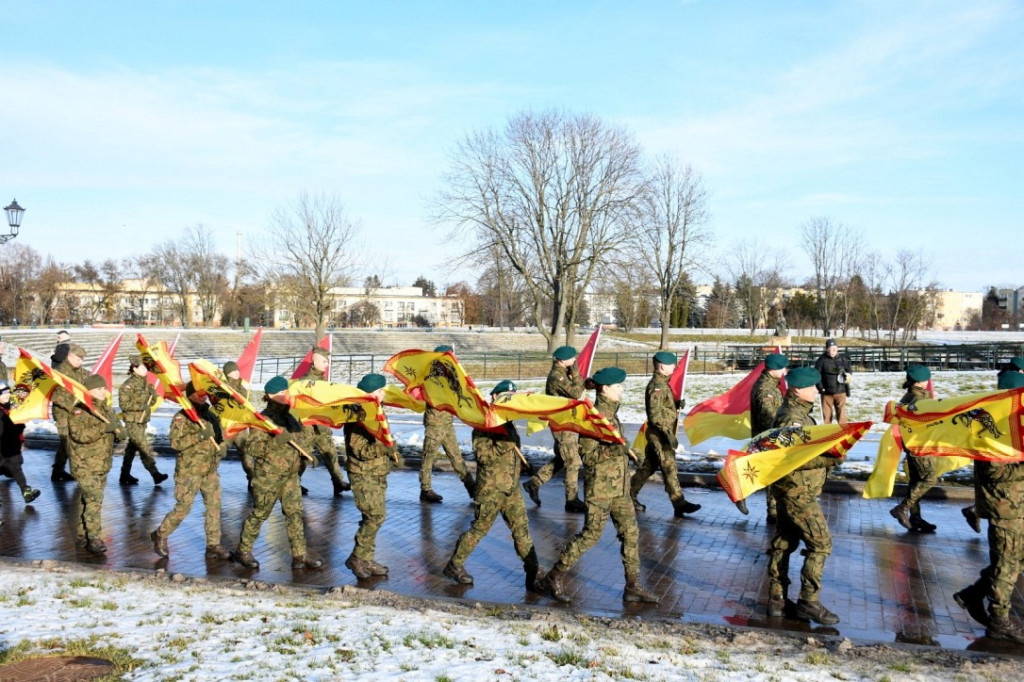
14,213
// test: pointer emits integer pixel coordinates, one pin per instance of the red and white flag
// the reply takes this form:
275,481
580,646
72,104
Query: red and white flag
586,357
105,365
247,360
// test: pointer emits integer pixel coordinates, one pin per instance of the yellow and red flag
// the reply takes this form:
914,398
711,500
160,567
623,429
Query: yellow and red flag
726,415
326,343
396,397
777,452
155,383
442,382
105,364
325,403
247,360
558,413
586,358
34,384
160,362
236,413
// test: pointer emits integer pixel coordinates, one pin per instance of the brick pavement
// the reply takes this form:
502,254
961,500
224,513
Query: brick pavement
886,585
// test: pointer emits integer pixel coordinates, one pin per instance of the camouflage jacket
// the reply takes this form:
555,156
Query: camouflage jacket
999,489
93,438
804,485
313,375
136,398
662,414
564,381
765,400
606,473
196,440
910,398
274,454
63,400
239,385
366,454
498,464
434,417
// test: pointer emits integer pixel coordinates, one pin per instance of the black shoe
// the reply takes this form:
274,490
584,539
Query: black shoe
128,479
771,519
776,607
304,489
159,478
95,546
217,552
575,506
458,574
1004,628
901,513
306,561
377,568
30,495
246,559
814,611
922,526
533,490
359,567
971,600
159,543
60,476
341,487
972,518
635,593
684,507
430,496
742,506
639,506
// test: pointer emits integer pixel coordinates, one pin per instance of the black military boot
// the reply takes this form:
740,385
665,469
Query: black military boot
470,484
554,586
972,599
376,568
458,574
635,593
814,611
901,513
681,507
532,489
742,506
340,486
304,490
531,566
359,567
159,543
430,496
306,561
127,478
246,559
1001,627
30,495
972,518
61,476
96,546
920,525
576,506
639,506
159,477
217,552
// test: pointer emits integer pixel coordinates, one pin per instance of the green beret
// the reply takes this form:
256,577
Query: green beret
1008,380
1018,362
317,350
504,386
77,350
776,361
95,381
802,377
564,353
371,382
606,376
275,385
444,348
230,366
918,373
134,359
666,358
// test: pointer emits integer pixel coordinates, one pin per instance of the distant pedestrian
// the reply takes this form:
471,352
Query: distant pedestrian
836,372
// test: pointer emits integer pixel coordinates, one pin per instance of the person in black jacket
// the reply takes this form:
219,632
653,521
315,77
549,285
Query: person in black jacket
11,439
834,387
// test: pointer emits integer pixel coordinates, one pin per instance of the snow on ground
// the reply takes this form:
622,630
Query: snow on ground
160,629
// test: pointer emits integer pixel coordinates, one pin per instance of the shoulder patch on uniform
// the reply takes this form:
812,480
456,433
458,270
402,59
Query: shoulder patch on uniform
78,411
178,417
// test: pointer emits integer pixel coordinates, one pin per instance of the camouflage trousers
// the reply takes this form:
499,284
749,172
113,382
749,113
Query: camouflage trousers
190,480
1006,554
266,491
623,515
656,459
489,504
567,456
138,444
804,523
88,504
434,439
323,442
370,493
921,478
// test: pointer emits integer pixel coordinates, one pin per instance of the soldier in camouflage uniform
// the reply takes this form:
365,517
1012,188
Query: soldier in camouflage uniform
564,380
233,378
800,516
498,467
136,397
199,454
62,403
765,400
662,424
607,493
92,435
999,495
922,472
439,432
323,436
368,464
275,461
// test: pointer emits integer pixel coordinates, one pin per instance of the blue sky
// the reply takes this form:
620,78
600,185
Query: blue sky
124,123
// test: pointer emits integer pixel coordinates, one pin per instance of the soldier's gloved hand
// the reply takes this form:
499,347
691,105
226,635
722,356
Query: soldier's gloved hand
111,427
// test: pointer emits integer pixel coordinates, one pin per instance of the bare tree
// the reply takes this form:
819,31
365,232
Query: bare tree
552,193
19,264
310,244
210,280
831,247
757,272
910,295
49,287
671,233
168,265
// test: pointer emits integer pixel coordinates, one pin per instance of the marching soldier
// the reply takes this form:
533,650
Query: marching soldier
92,435
607,494
765,400
439,432
323,436
368,463
199,454
563,380
922,473
800,516
662,423
233,378
12,437
63,402
136,398
275,462
499,462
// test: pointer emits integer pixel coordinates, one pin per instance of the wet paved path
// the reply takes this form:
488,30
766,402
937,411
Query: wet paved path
886,585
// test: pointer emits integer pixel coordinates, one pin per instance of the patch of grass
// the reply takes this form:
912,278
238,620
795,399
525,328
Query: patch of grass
79,582
179,643
345,655
25,600
406,667
81,603
903,666
689,647
571,657
818,658
430,640
210,617
92,646
523,641
722,655
551,634
443,678
109,606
